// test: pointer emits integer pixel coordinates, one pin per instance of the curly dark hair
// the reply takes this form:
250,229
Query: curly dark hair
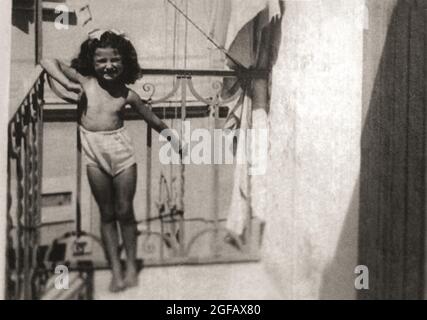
84,62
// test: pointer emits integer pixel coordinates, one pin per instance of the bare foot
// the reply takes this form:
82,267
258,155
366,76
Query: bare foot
131,278
116,285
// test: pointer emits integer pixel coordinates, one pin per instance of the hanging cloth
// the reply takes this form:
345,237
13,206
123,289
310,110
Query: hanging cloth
246,32
249,32
232,26
238,26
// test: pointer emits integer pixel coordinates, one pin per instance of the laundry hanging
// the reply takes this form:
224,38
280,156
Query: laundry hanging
232,26
248,30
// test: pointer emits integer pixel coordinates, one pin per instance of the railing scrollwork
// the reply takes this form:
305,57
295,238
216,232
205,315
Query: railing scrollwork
26,275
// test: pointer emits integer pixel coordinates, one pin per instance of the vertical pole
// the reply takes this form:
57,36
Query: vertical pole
40,129
78,181
186,36
181,179
249,160
19,210
172,194
215,244
27,209
148,181
38,18
148,188
162,227
6,275
39,163
33,211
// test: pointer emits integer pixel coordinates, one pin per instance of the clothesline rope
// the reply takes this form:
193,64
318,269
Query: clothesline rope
223,50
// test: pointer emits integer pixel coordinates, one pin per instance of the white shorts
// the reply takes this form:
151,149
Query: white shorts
111,151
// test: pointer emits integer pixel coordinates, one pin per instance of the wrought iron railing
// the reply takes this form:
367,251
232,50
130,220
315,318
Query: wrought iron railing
164,230
25,141
26,273
173,235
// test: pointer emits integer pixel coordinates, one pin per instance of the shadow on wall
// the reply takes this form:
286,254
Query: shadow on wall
338,277
392,179
391,195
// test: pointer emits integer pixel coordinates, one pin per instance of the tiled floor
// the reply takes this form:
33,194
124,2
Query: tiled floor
209,282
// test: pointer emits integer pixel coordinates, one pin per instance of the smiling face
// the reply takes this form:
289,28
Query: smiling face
108,64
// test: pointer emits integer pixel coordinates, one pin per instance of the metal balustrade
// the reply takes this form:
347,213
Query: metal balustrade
25,141
171,212
28,272
26,275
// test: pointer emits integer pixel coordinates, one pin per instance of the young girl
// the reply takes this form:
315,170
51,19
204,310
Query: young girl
106,64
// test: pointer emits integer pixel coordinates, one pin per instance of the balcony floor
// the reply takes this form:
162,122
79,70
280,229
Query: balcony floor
246,281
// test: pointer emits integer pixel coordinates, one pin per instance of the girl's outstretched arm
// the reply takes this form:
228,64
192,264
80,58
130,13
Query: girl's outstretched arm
142,107
64,74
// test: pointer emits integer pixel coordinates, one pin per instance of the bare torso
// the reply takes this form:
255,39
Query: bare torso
102,109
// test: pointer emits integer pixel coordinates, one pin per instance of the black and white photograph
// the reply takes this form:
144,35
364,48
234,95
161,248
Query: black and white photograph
215,150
